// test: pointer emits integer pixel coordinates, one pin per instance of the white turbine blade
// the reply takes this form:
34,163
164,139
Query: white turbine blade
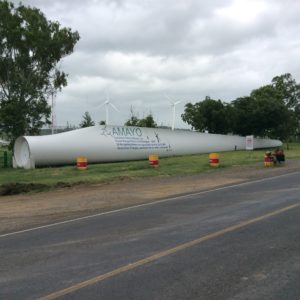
173,103
169,98
101,105
113,107
107,96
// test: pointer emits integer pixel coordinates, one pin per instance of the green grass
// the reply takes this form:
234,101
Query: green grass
98,173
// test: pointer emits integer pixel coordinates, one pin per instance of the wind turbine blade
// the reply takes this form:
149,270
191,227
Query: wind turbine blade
169,98
177,102
101,105
107,97
113,107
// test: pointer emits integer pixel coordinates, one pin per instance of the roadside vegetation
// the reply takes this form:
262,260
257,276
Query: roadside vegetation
272,110
13,181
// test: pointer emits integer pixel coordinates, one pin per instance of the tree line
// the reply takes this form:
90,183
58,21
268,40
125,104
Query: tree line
271,111
134,120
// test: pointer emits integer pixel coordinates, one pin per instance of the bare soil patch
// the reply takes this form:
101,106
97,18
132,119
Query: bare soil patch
19,212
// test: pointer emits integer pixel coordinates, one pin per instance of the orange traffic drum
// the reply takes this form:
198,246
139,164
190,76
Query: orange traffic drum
81,163
214,159
153,160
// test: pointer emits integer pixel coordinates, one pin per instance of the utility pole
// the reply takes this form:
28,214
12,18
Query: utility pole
53,114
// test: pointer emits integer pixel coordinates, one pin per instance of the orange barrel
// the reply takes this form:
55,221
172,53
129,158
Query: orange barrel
81,163
268,161
214,159
153,160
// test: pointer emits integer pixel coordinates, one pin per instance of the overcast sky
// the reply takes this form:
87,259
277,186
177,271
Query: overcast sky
137,51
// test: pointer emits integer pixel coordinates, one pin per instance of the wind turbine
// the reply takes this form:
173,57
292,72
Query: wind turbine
107,103
173,104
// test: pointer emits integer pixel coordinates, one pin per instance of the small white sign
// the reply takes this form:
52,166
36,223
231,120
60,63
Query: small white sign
249,142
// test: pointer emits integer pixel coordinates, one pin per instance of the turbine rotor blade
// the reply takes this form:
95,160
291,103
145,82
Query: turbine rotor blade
168,98
113,107
107,96
173,103
101,105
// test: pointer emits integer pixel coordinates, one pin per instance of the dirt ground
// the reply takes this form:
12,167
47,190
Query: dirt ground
28,210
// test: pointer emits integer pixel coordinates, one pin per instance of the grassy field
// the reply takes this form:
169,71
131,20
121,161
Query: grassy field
97,173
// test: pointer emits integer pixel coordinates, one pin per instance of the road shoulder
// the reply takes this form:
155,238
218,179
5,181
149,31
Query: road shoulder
25,211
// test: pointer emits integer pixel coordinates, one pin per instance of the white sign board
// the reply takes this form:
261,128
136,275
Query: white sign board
249,142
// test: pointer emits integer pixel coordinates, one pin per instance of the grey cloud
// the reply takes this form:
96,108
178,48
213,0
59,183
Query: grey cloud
158,29
141,49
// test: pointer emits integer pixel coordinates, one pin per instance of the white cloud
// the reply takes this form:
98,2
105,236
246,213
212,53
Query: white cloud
140,50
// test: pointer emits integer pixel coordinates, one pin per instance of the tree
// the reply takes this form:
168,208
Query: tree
271,112
264,113
148,121
30,50
86,120
207,115
133,120
287,89
289,92
242,115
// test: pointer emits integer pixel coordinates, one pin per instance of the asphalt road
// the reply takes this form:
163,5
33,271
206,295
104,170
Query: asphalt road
238,242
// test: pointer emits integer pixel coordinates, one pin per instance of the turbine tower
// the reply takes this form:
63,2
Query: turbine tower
173,104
